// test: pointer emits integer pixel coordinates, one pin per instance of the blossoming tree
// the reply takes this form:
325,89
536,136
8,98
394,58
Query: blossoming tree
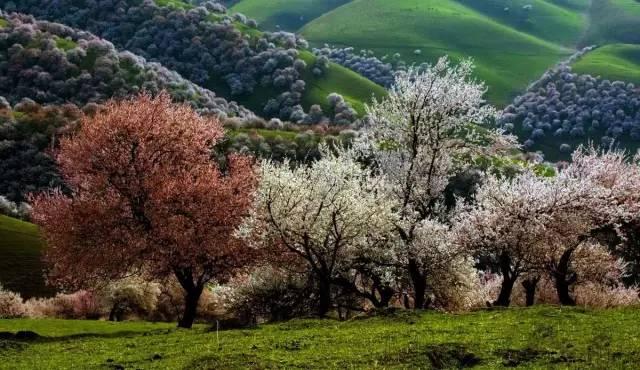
326,214
146,198
421,135
536,225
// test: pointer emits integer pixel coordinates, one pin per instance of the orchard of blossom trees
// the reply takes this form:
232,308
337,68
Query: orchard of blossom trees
203,44
54,64
381,70
566,107
367,65
419,212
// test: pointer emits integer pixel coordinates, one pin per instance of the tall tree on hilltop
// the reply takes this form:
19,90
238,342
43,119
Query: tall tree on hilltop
146,198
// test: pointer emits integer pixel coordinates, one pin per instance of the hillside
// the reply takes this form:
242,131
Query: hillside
263,71
613,21
511,41
536,338
613,62
50,63
355,89
289,15
20,258
511,48
506,58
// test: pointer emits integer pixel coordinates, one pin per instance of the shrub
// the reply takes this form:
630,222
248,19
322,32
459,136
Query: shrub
268,294
82,304
11,305
598,295
129,296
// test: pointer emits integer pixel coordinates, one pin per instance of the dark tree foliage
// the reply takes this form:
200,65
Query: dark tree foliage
26,136
627,247
573,107
202,43
301,146
379,70
54,64
364,63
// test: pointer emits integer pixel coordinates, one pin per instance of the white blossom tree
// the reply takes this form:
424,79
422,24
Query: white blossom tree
536,225
420,136
448,269
610,184
327,214
508,223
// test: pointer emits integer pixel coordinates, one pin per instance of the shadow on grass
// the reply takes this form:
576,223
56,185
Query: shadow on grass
518,357
230,361
440,356
33,337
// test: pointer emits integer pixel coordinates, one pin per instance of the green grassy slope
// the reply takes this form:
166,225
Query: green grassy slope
289,15
613,62
556,21
511,41
20,258
507,58
535,338
355,89
614,21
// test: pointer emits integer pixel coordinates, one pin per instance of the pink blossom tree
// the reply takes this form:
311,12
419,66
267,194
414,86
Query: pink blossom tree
146,199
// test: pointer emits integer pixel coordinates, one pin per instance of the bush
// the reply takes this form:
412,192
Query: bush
129,296
268,295
604,296
11,305
79,305
11,209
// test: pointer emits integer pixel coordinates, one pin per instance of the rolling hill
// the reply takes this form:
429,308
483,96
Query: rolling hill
356,90
613,21
506,58
288,15
613,62
511,41
218,51
20,258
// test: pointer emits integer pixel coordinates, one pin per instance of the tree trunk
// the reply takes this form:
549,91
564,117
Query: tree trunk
564,297
509,278
324,291
113,315
191,299
504,298
564,278
193,291
530,286
386,294
419,285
